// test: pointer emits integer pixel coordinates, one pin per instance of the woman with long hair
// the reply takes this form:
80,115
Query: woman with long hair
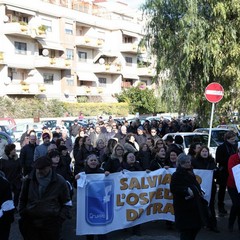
114,163
204,160
85,150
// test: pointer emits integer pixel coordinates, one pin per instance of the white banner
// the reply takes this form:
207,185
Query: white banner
122,200
236,175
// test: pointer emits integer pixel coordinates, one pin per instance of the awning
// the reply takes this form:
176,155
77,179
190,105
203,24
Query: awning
105,54
130,76
131,34
16,9
87,76
51,45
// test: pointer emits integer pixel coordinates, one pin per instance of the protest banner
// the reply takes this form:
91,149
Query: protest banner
125,199
236,175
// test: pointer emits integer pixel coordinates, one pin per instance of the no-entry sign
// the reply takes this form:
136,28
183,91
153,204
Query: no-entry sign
214,92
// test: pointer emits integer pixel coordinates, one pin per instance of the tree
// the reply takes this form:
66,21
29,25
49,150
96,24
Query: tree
140,99
197,41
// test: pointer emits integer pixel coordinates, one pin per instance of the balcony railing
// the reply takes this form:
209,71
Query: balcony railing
89,41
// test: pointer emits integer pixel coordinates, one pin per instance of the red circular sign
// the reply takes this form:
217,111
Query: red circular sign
214,92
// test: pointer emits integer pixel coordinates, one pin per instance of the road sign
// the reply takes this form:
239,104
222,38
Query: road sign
214,92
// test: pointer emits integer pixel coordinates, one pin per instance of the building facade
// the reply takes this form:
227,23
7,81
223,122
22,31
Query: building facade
66,49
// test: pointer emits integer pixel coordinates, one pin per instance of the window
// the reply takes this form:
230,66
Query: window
20,48
82,56
69,81
128,61
48,78
69,28
127,39
102,82
69,54
48,24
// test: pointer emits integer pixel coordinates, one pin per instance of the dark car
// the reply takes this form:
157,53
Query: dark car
50,124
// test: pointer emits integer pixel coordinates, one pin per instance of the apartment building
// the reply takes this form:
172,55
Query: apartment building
66,49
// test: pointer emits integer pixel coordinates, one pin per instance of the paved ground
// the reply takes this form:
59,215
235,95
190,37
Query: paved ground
150,231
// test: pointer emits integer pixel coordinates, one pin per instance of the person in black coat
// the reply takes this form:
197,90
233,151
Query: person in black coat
186,192
224,151
159,160
114,163
27,154
144,156
85,150
6,211
204,160
10,165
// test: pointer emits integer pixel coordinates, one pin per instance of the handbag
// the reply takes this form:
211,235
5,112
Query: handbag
204,211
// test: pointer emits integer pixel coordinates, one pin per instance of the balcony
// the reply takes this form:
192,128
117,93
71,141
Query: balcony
57,63
129,48
22,89
108,68
146,72
23,30
2,58
89,90
89,42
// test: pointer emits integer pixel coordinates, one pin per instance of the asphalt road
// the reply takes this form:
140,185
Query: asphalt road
156,230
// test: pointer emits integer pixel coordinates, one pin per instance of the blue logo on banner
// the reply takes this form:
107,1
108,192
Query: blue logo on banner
99,202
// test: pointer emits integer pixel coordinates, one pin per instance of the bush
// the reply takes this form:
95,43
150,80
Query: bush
29,108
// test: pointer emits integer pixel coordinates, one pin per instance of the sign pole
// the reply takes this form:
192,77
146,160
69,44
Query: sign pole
213,93
210,128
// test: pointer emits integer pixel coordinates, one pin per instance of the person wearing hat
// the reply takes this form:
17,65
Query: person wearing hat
42,149
44,202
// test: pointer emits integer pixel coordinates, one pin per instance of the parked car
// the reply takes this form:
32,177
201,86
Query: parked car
232,127
217,133
192,137
7,130
21,128
50,124
7,122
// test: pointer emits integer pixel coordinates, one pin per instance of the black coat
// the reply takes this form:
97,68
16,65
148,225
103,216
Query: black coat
224,151
187,215
144,158
26,157
81,156
112,165
6,194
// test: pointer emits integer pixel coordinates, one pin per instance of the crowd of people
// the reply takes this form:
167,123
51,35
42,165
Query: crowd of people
42,178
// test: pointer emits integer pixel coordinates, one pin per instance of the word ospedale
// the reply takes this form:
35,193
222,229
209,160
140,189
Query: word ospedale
152,194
